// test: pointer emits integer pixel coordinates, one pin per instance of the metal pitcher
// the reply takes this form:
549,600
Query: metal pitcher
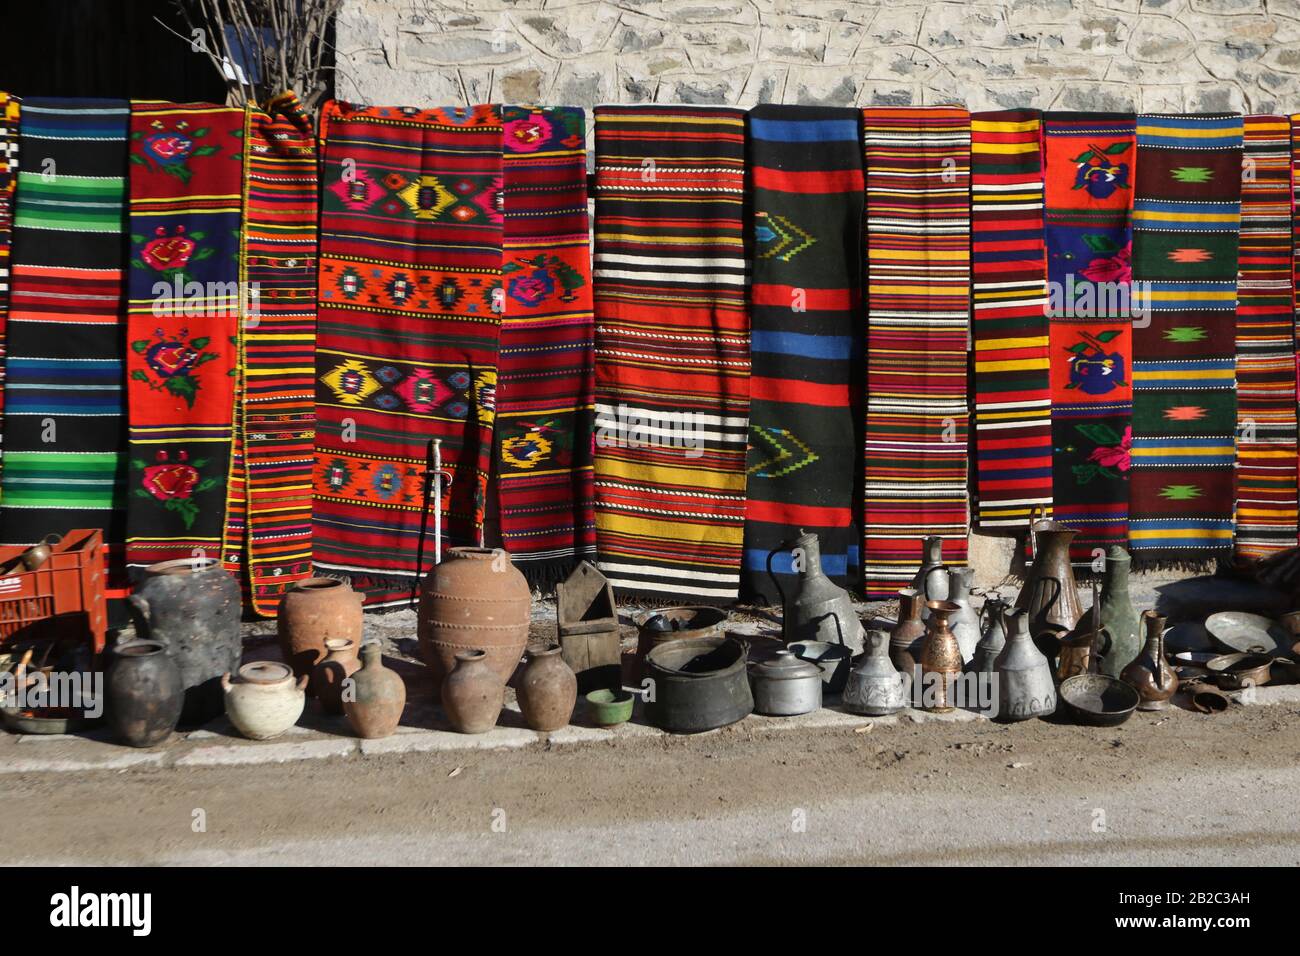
1025,685
875,688
818,609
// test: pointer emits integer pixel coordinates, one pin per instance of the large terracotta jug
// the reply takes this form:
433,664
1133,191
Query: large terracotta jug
312,612
476,599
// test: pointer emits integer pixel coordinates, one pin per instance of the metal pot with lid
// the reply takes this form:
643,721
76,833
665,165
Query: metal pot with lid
785,685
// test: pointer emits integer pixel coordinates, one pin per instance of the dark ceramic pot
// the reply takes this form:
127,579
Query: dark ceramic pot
192,605
144,693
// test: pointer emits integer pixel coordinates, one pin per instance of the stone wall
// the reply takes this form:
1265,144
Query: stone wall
1153,55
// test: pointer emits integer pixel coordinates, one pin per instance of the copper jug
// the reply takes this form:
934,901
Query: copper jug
1050,594
941,662
906,637
1150,674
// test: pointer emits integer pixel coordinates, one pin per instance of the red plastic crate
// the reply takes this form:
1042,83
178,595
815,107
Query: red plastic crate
62,600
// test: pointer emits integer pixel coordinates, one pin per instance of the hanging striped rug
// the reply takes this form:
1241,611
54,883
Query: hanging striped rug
1090,173
1266,352
64,401
918,305
1186,213
545,367
806,170
182,326
9,115
672,344
1012,397
407,336
269,495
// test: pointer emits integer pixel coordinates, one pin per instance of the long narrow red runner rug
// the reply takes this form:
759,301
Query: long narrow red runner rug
1012,389
546,371
407,336
918,313
1090,169
806,169
672,342
269,512
10,107
1266,353
1186,214
182,326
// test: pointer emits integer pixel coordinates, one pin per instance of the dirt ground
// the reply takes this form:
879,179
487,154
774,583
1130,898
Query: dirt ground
1173,788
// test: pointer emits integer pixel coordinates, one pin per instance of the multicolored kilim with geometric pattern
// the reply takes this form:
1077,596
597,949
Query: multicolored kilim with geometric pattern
64,398
186,179
269,500
1186,215
806,344
1090,170
672,343
407,336
1266,354
918,313
545,376
1012,400
9,117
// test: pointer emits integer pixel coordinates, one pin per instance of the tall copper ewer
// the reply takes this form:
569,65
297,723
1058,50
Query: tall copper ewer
1050,594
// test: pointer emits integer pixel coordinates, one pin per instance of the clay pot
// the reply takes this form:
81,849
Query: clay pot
264,700
906,637
548,689
375,708
476,599
941,661
1149,673
192,605
473,693
327,677
312,612
144,693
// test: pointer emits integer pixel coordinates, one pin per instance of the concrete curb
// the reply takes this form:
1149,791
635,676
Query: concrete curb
216,746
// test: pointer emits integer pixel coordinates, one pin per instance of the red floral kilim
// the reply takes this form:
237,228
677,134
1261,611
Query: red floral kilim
181,351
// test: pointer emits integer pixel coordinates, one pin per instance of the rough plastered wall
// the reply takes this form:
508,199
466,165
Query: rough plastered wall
1153,55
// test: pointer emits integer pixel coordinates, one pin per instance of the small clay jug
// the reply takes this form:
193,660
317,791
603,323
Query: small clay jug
473,693
940,658
964,622
374,709
1149,673
931,581
144,693
312,612
547,689
1050,594
875,687
818,609
1120,621
263,700
1025,685
907,635
993,636
328,676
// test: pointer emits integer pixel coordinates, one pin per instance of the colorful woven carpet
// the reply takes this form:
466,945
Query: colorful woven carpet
1012,397
269,497
407,336
1090,171
545,368
64,400
1185,219
182,328
806,169
918,306
672,386
9,116
1266,353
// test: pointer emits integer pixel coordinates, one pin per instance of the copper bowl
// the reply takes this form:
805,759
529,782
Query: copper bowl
1235,671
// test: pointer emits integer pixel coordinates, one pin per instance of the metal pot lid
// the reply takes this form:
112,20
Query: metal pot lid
785,666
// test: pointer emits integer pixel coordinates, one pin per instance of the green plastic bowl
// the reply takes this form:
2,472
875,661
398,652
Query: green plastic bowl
609,707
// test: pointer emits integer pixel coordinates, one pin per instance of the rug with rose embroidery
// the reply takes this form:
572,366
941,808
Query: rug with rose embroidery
186,172
1089,195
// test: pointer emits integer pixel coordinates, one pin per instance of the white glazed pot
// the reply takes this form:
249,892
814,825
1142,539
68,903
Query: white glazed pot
264,700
